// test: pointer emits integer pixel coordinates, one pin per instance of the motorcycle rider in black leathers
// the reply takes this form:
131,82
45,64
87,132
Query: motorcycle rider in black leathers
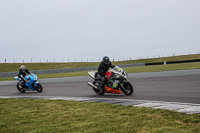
22,73
103,68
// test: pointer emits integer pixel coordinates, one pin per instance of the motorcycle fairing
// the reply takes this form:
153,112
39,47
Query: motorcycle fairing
31,81
108,75
92,74
111,90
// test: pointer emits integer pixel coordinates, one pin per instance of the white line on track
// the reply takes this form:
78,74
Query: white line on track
188,108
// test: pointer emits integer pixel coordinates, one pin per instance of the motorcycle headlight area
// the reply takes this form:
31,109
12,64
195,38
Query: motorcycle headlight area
125,74
35,78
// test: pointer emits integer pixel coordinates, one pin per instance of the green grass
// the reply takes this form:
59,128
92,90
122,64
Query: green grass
8,67
166,59
168,67
12,67
50,116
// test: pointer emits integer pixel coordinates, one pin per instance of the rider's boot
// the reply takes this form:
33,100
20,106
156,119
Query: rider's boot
23,83
103,86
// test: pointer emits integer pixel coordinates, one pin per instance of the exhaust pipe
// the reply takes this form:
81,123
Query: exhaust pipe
92,85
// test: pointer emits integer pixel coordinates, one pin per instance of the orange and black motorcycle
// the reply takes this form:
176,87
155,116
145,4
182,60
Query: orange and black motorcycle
116,82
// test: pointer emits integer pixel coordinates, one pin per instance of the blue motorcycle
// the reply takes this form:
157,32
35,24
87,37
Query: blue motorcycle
31,83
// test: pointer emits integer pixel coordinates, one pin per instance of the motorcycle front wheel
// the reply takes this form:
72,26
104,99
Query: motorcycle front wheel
39,88
127,88
99,90
20,88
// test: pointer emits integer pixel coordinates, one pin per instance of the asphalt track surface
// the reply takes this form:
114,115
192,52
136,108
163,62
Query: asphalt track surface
170,86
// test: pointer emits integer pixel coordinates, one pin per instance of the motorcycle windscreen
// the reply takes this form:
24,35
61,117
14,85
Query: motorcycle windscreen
118,69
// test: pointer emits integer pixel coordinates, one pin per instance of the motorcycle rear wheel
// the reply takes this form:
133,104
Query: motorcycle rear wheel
127,88
20,88
99,90
39,88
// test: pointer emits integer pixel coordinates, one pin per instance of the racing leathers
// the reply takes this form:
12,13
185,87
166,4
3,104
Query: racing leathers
22,74
102,69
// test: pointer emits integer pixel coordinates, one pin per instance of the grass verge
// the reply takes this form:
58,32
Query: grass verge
29,115
12,67
168,67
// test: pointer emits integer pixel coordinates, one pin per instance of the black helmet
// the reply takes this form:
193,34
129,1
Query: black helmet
106,60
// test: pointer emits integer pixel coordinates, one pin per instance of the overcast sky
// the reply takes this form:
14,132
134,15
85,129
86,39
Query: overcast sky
91,29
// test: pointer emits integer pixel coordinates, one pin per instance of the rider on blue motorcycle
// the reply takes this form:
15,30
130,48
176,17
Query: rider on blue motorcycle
22,73
103,68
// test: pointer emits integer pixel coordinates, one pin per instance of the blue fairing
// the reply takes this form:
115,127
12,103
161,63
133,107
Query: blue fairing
35,84
16,78
31,81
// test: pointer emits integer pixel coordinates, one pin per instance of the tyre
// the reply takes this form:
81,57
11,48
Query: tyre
99,90
20,88
39,87
127,88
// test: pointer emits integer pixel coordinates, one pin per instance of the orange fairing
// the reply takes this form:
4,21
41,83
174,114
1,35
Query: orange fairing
110,90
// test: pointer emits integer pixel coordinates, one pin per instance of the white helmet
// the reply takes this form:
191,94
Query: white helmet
23,68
